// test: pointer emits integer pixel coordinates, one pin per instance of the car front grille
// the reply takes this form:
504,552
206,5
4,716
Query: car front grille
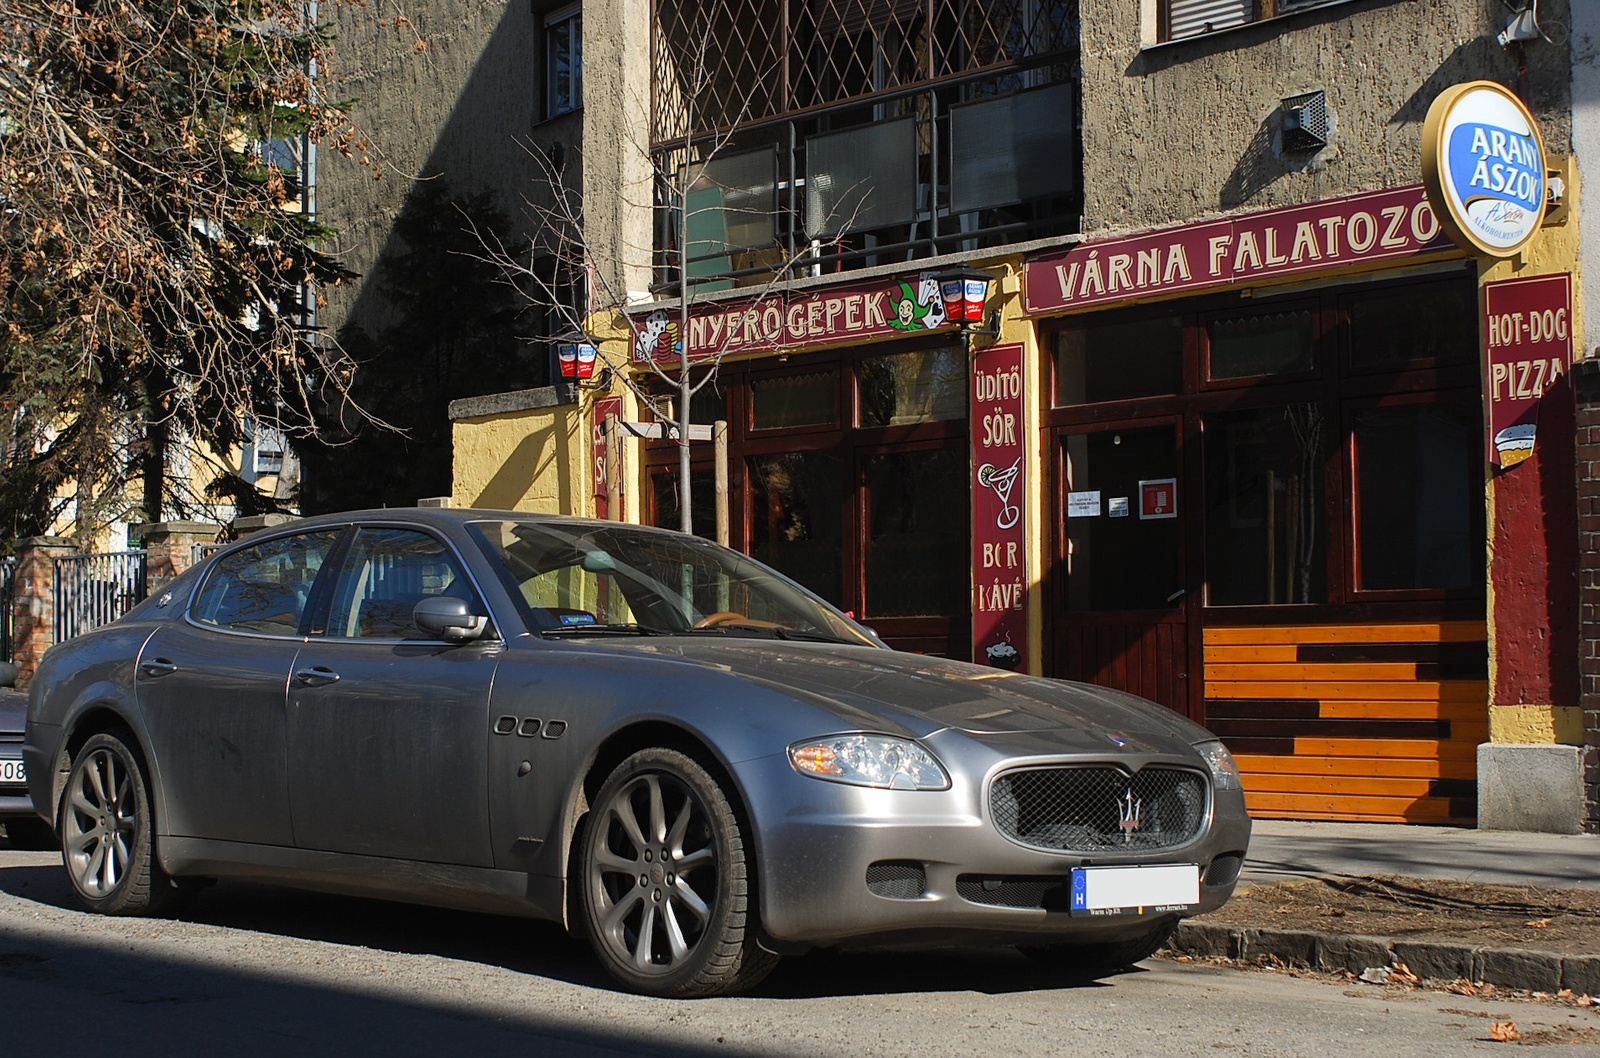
1099,808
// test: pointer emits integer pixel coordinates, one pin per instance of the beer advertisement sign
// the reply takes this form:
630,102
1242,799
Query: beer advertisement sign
1483,163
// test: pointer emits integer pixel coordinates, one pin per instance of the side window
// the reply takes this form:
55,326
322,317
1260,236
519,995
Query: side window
265,588
563,58
387,572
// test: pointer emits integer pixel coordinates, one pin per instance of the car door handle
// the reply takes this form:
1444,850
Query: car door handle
157,667
317,677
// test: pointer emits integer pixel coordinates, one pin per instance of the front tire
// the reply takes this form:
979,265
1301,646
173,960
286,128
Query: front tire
667,901
106,829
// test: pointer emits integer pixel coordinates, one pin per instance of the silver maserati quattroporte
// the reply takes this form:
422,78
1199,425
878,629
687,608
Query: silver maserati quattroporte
670,748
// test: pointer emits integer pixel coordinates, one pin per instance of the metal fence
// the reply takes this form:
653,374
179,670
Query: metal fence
8,579
198,553
93,590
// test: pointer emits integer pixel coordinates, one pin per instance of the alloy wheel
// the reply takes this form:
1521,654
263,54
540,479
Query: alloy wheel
102,822
653,873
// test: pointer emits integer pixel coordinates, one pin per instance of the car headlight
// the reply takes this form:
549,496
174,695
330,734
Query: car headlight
869,760
1224,772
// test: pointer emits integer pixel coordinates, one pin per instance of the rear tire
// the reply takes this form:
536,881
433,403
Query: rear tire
107,832
31,835
667,900
1103,957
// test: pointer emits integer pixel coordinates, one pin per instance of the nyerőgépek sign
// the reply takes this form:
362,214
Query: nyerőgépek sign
901,306
1483,164
1335,233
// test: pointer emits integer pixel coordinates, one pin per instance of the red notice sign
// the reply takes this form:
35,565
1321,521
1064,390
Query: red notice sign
999,567
1527,331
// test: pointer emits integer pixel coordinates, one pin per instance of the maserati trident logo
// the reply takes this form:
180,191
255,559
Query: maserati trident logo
1130,813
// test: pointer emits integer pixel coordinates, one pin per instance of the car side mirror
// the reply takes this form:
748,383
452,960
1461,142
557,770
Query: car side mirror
449,618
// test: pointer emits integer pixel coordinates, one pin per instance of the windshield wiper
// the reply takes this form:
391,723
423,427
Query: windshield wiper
734,628
611,629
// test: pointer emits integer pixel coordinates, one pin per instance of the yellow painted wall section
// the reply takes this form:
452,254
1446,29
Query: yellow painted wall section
1536,724
534,460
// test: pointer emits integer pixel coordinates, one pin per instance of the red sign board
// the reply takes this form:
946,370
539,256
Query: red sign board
1158,498
1527,330
999,565
597,432
900,305
1335,233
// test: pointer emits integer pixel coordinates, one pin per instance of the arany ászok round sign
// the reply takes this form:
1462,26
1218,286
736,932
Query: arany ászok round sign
1483,162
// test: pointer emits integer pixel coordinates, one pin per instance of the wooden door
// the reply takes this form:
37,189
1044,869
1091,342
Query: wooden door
1120,600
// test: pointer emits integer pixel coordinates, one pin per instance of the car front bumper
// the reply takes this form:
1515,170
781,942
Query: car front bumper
957,879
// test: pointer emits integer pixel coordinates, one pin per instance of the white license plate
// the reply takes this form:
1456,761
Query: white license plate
1135,890
11,773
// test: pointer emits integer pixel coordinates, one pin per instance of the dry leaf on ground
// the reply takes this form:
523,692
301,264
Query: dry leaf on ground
1504,1031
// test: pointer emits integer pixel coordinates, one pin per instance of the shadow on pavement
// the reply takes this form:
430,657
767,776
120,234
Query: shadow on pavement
546,950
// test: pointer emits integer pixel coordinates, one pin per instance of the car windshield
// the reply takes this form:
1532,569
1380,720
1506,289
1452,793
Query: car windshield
574,578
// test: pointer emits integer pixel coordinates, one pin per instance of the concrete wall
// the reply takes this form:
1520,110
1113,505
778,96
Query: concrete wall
523,451
1181,130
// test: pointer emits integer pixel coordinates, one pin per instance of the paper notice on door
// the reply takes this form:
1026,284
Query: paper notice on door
1117,507
1083,504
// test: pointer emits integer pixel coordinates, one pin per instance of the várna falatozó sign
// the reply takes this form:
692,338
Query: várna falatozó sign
1250,248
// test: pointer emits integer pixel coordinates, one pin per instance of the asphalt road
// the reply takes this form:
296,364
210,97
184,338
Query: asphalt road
255,970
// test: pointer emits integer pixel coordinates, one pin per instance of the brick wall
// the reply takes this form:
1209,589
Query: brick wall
1587,380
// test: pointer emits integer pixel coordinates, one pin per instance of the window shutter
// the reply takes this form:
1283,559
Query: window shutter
1188,18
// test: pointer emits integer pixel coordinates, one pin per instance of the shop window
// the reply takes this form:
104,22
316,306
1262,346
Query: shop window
1419,497
925,386
1262,344
796,501
1266,537
1414,324
666,501
788,401
563,61
916,553
1119,361
1124,558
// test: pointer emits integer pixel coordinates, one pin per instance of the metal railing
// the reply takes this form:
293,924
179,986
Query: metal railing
94,590
8,580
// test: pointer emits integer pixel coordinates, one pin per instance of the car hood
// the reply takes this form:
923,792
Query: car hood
868,688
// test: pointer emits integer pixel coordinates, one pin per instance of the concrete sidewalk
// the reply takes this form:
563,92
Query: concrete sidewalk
1281,850
1285,851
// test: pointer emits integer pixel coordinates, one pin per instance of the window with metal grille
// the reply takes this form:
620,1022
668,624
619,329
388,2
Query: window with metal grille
796,137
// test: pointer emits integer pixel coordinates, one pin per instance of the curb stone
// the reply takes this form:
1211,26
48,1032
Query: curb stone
1533,971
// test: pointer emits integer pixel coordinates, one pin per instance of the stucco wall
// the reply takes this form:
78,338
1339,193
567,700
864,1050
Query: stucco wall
617,188
530,458
453,94
1586,145
1186,129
